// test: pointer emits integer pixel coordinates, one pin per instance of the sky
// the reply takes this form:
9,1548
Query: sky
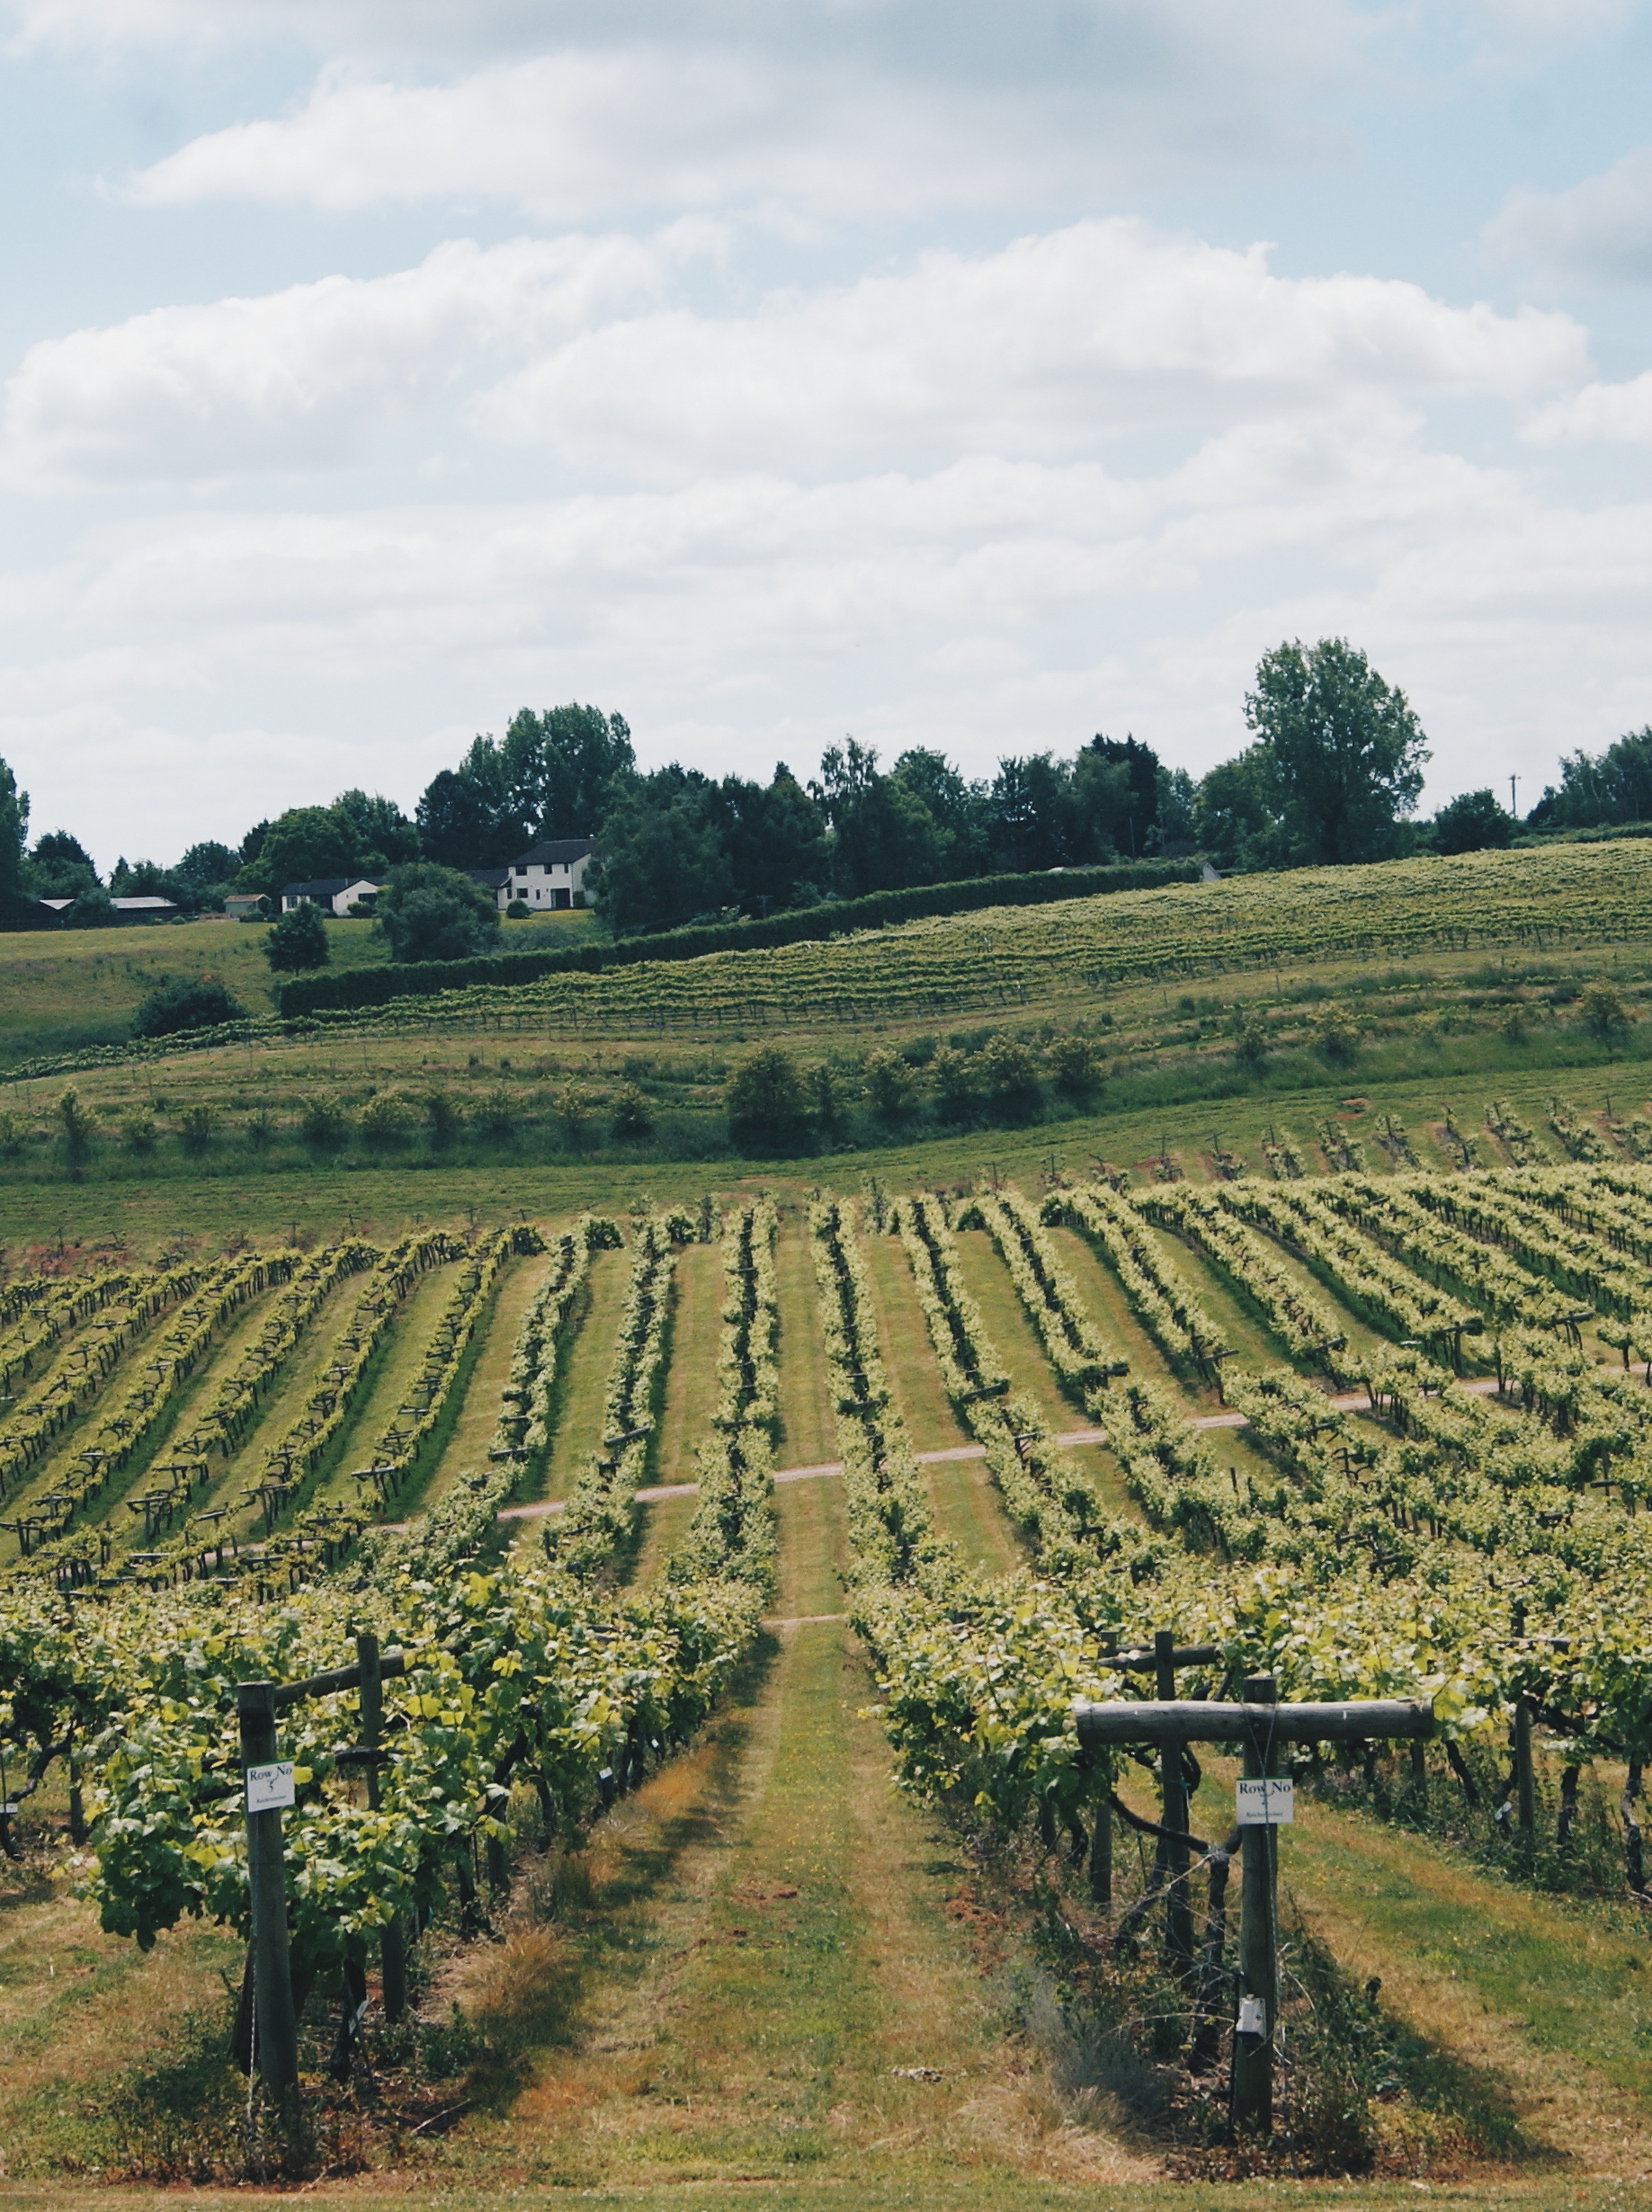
953,375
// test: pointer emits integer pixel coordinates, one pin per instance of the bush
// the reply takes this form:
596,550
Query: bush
1337,1034
631,1115
767,1106
297,941
891,1083
260,1129
1251,1043
953,1072
496,1112
137,1132
1602,1011
1073,1063
826,1098
203,1003
78,1128
195,1126
1009,1074
385,1121
436,913
518,910
575,1107
377,986
324,1126
443,1119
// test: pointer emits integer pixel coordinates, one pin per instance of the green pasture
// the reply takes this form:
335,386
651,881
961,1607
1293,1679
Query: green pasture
69,990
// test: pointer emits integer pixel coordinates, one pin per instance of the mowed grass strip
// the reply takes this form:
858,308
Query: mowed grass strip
470,1434
969,1513
392,1369
808,1436
585,1361
691,1376
786,1994
1013,1335
914,1380
77,2006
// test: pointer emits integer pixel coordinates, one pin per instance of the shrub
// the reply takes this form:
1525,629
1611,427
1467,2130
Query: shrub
1602,1011
13,1135
1336,1035
1009,1074
297,941
137,1132
324,1126
575,1107
1074,1064
78,1128
198,1002
260,1130
765,1100
1251,1043
385,1121
195,1126
518,910
891,1083
495,1111
953,1072
631,1115
436,913
826,1098
443,1119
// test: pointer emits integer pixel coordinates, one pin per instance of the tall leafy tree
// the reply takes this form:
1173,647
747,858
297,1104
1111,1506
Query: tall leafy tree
1473,821
380,835
1235,821
14,840
775,838
430,912
1599,790
563,768
664,858
960,810
883,836
1342,749
60,867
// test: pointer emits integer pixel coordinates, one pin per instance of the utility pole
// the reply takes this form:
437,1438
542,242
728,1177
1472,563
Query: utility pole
1513,808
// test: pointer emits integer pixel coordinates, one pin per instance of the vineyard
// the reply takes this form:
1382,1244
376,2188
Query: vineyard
521,1522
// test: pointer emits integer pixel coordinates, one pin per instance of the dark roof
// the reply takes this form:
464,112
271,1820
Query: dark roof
558,849
490,878
322,887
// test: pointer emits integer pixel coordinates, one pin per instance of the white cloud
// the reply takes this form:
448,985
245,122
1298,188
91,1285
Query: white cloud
1599,415
1046,347
301,379
1598,231
864,112
1042,348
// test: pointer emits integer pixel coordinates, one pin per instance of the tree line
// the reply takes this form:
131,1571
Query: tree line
1332,775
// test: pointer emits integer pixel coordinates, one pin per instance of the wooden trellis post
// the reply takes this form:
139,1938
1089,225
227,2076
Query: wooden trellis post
269,1787
1260,1727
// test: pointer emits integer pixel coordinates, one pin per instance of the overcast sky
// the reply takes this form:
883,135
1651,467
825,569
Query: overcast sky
963,375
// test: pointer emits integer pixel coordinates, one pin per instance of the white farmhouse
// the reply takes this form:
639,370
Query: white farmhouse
550,876
338,894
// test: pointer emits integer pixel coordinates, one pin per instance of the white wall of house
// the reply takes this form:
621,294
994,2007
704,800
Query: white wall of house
547,885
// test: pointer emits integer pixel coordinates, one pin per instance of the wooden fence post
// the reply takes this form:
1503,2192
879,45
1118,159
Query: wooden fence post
275,2024
1173,1769
1253,2041
1525,1804
1101,1835
392,1950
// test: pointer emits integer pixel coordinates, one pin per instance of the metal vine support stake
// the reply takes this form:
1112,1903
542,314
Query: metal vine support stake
1260,1727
